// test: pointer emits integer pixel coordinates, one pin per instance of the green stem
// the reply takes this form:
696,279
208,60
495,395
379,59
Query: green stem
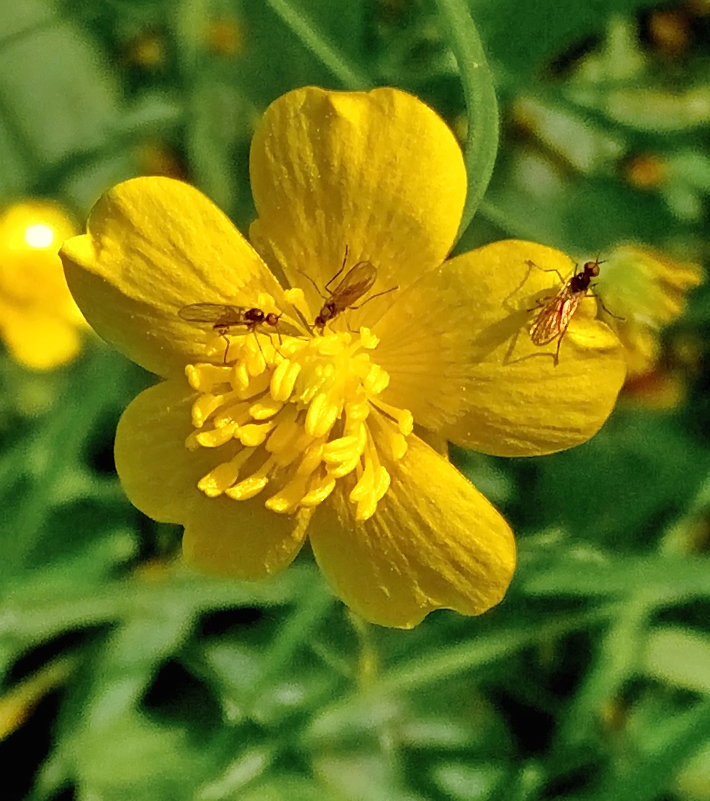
481,105
348,74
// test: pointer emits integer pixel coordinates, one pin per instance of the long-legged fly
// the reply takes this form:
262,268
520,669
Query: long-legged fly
222,317
356,283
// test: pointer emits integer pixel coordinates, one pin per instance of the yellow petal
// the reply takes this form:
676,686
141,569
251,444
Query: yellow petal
153,246
39,341
242,539
378,173
459,354
160,475
434,542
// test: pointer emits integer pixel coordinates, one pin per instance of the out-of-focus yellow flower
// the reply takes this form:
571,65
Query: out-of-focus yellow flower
224,36
662,391
647,289
259,435
39,321
147,50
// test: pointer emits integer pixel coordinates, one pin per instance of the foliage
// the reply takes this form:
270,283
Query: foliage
126,676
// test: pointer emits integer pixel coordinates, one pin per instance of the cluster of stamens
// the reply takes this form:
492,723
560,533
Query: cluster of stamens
296,414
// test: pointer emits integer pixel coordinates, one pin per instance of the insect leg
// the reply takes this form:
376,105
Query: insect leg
601,303
315,286
222,331
506,305
372,297
547,270
258,344
540,303
559,345
342,267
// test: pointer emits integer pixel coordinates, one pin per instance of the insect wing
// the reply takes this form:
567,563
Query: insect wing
214,313
554,317
358,280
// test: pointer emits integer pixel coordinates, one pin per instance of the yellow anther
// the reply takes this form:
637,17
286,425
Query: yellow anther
337,450
377,380
287,499
366,508
284,378
304,413
217,436
241,376
205,377
255,434
219,479
248,488
368,340
382,483
357,411
203,407
286,431
311,459
365,484
322,413
318,490
263,409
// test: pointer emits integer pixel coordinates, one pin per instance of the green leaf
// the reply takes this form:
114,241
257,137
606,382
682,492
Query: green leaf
56,94
659,751
445,663
644,465
670,579
32,614
522,36
678,656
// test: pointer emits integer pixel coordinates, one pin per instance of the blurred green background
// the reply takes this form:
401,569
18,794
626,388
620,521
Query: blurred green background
128,678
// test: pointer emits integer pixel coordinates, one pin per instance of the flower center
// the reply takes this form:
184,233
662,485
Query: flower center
297,414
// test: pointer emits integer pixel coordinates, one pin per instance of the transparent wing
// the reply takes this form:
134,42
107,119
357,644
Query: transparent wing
214,313
358,280
554,317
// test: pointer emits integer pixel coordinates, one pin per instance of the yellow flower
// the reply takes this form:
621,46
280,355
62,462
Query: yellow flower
643,289
284,431
39,320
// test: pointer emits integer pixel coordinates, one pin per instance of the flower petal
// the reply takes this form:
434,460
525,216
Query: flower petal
434,542
465,365
378,173
153,246
159,474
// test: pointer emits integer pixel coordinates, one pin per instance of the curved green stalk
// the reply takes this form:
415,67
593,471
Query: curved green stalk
481,105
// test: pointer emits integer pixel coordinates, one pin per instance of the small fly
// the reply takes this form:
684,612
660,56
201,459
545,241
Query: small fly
356,283
222,317
556,312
